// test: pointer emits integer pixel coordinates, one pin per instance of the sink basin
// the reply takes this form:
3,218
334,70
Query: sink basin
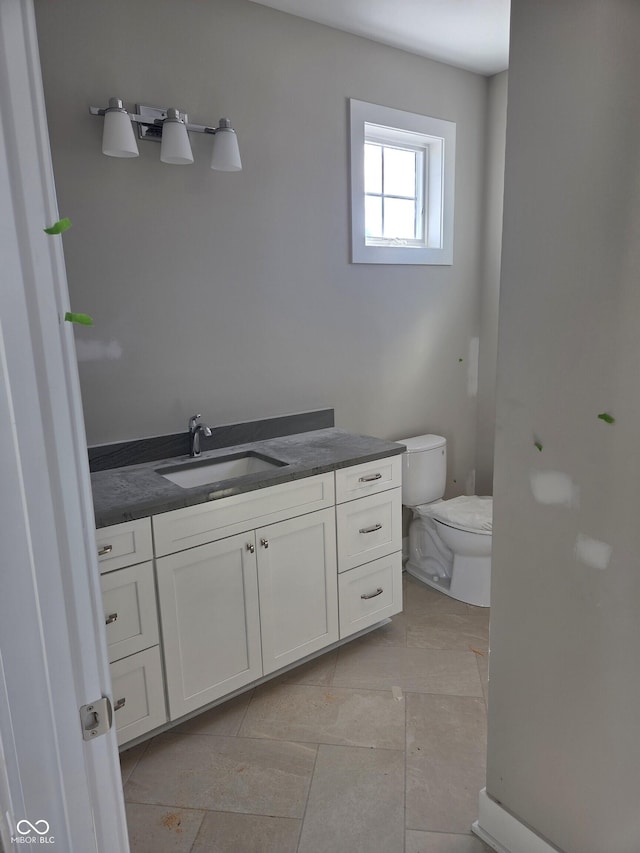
199,473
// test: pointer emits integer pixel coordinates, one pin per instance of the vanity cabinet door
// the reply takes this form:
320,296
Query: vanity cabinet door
297,577
210,621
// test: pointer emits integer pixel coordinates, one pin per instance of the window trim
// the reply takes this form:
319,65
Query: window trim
438,137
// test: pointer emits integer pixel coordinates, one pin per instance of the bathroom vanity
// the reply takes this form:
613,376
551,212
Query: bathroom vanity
244,577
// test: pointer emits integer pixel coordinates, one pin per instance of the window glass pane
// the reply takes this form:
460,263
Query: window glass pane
372,216
372,168
399,172
399,218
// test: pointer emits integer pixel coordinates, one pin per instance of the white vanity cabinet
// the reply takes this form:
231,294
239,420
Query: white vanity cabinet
240,606
369,525
125,556
246,585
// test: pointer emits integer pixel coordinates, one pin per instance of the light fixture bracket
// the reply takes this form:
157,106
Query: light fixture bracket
150,122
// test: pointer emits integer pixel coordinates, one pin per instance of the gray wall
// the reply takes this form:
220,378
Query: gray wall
564,695
496,128
232,294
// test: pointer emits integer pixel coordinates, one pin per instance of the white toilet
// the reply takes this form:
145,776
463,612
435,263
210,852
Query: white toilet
449,541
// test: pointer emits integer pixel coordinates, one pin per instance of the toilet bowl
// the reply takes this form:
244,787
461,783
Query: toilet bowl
449,541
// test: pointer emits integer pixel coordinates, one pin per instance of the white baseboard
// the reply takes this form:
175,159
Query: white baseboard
503,832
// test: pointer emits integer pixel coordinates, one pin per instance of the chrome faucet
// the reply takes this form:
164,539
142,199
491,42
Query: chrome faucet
195,429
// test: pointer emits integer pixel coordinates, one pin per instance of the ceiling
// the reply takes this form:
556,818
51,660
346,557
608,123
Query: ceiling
471,34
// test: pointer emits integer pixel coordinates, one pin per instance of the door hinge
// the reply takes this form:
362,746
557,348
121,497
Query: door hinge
96,718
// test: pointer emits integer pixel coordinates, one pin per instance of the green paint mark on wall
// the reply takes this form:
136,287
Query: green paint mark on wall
83,319
59,227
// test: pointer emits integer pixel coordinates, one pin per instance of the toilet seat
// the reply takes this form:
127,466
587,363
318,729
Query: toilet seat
471,513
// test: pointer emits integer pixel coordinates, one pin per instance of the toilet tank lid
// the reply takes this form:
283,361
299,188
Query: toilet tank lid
422,442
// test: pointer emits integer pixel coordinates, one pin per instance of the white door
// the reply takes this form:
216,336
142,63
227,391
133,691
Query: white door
210,621
53,783
297,580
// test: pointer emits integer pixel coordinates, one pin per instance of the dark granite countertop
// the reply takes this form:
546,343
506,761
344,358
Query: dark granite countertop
137,491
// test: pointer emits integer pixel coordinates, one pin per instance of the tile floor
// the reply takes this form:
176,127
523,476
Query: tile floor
329,758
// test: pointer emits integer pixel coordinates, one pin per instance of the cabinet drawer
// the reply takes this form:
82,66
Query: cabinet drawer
369,528
138,694
197,525
370,593
124,544
129,600
368,478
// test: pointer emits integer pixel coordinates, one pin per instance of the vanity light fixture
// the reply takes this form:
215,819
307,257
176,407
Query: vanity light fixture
169,127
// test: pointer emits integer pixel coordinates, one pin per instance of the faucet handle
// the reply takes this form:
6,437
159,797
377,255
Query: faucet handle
193,420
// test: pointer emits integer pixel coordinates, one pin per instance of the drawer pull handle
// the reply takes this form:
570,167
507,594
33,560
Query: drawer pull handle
379,591
370,478
110,618
107,549
371,529
251,547
119,704
264,543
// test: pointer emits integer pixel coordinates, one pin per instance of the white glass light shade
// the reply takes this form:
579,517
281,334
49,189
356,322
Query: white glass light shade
118,139
175,148
225,156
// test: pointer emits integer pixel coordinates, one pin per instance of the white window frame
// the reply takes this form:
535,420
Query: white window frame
387,138
437,137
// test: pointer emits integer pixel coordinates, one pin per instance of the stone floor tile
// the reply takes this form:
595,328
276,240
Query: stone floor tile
318,671
437,842
224,774
326,715
364,666
481,615
162,829
129,758
447,729
224,719
225,832
445,761
393,633
356,802
442,797
420,598
442,630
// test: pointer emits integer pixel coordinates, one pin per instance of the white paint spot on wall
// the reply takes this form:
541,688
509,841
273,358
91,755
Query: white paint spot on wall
472,367
592,552
554,487
98,350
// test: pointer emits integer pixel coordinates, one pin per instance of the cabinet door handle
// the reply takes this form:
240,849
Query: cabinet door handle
250,547
264,543
371,529
110,618
119,704
379,591
106,549
370,478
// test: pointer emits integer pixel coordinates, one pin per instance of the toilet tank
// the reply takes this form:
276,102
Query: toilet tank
424,469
